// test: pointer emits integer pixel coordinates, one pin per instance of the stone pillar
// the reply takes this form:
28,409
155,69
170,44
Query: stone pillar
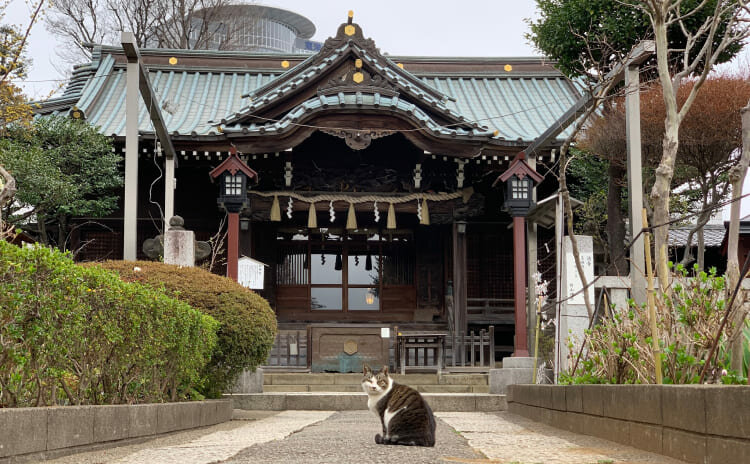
179,244
130,206
574,318
516,370
249,382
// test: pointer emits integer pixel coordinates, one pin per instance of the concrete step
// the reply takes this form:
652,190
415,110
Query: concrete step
348,401
332,379
273,388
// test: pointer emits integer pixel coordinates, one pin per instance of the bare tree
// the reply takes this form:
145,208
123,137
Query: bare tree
180,24
703,47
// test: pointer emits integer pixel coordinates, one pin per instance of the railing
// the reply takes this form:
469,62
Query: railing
489,311
289,350
473,351
421,350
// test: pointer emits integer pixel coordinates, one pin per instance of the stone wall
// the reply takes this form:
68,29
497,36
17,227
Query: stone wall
697,424
44,433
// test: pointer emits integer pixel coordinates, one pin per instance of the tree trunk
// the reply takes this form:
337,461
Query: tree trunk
618,265
736,177
7,192
664,173
571,233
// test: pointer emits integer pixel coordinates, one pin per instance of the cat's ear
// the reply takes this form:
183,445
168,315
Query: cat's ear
366,369
385,370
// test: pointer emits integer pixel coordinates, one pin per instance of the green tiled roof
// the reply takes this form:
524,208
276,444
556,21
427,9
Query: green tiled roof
520,106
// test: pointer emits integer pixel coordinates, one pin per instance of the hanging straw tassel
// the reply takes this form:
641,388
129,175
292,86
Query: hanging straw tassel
312,217
425,221
275,210
391,217
351,218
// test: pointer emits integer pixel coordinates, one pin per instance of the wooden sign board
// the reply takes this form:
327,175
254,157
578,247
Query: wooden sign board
250,273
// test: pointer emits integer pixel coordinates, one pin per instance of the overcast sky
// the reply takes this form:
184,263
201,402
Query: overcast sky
405,27
398,27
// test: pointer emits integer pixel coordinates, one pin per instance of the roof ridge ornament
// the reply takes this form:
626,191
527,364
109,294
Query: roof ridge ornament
348,31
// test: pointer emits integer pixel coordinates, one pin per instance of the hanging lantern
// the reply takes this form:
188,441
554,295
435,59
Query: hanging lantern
425,219
275,210
391,217
370,296
351,218
312,217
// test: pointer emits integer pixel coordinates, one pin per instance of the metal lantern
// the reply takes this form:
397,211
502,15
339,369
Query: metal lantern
519,181
518,194
234,176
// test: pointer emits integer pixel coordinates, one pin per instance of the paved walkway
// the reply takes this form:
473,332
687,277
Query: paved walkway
318,437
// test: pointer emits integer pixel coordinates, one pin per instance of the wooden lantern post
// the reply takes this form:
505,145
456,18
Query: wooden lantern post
234,176
519,181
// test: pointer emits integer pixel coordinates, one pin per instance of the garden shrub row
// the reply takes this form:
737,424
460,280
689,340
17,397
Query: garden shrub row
248,324
80,335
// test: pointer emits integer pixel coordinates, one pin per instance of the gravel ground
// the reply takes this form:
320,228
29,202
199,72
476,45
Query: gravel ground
349,437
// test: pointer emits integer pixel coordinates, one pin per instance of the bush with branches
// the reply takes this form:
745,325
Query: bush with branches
248,324
619,350
76,335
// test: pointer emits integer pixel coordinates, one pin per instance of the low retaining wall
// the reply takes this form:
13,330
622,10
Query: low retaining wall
55,431
697,424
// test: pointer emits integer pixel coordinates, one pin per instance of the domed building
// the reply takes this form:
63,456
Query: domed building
254,28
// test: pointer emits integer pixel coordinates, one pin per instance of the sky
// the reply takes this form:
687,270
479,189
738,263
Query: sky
404,27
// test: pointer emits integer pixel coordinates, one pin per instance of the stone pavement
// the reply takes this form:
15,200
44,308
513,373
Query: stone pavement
318,437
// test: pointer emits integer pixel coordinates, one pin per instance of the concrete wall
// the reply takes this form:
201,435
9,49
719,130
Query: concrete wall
48,432
698,424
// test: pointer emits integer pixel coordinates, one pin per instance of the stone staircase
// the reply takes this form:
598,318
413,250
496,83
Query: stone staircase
341,392
424,383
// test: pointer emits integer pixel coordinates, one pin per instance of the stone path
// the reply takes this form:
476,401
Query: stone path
504,438
318,437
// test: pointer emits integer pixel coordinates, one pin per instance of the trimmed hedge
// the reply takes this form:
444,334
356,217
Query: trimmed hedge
76,335
248,324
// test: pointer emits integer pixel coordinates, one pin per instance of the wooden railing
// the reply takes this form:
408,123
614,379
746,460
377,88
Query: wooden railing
473,351
289,350
489,311
421,350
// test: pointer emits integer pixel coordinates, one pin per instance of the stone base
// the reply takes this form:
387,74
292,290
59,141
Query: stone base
515,371
249,382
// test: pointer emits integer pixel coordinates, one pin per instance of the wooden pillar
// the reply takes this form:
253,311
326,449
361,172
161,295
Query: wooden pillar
233,244
520,348
459,276
130,207
635,183
532,260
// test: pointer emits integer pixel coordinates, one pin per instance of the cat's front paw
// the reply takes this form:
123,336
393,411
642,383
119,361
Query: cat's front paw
378,439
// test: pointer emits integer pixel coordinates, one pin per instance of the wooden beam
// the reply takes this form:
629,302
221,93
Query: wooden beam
638,55
147,93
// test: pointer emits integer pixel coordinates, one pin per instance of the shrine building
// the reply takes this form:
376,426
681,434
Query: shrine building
370,186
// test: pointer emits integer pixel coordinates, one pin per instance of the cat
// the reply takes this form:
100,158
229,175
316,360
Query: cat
404,414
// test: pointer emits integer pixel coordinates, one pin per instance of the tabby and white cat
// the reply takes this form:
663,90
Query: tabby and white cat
404,414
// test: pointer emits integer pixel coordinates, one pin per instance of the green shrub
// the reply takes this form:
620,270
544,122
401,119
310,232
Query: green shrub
77,335
248,324
688,317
